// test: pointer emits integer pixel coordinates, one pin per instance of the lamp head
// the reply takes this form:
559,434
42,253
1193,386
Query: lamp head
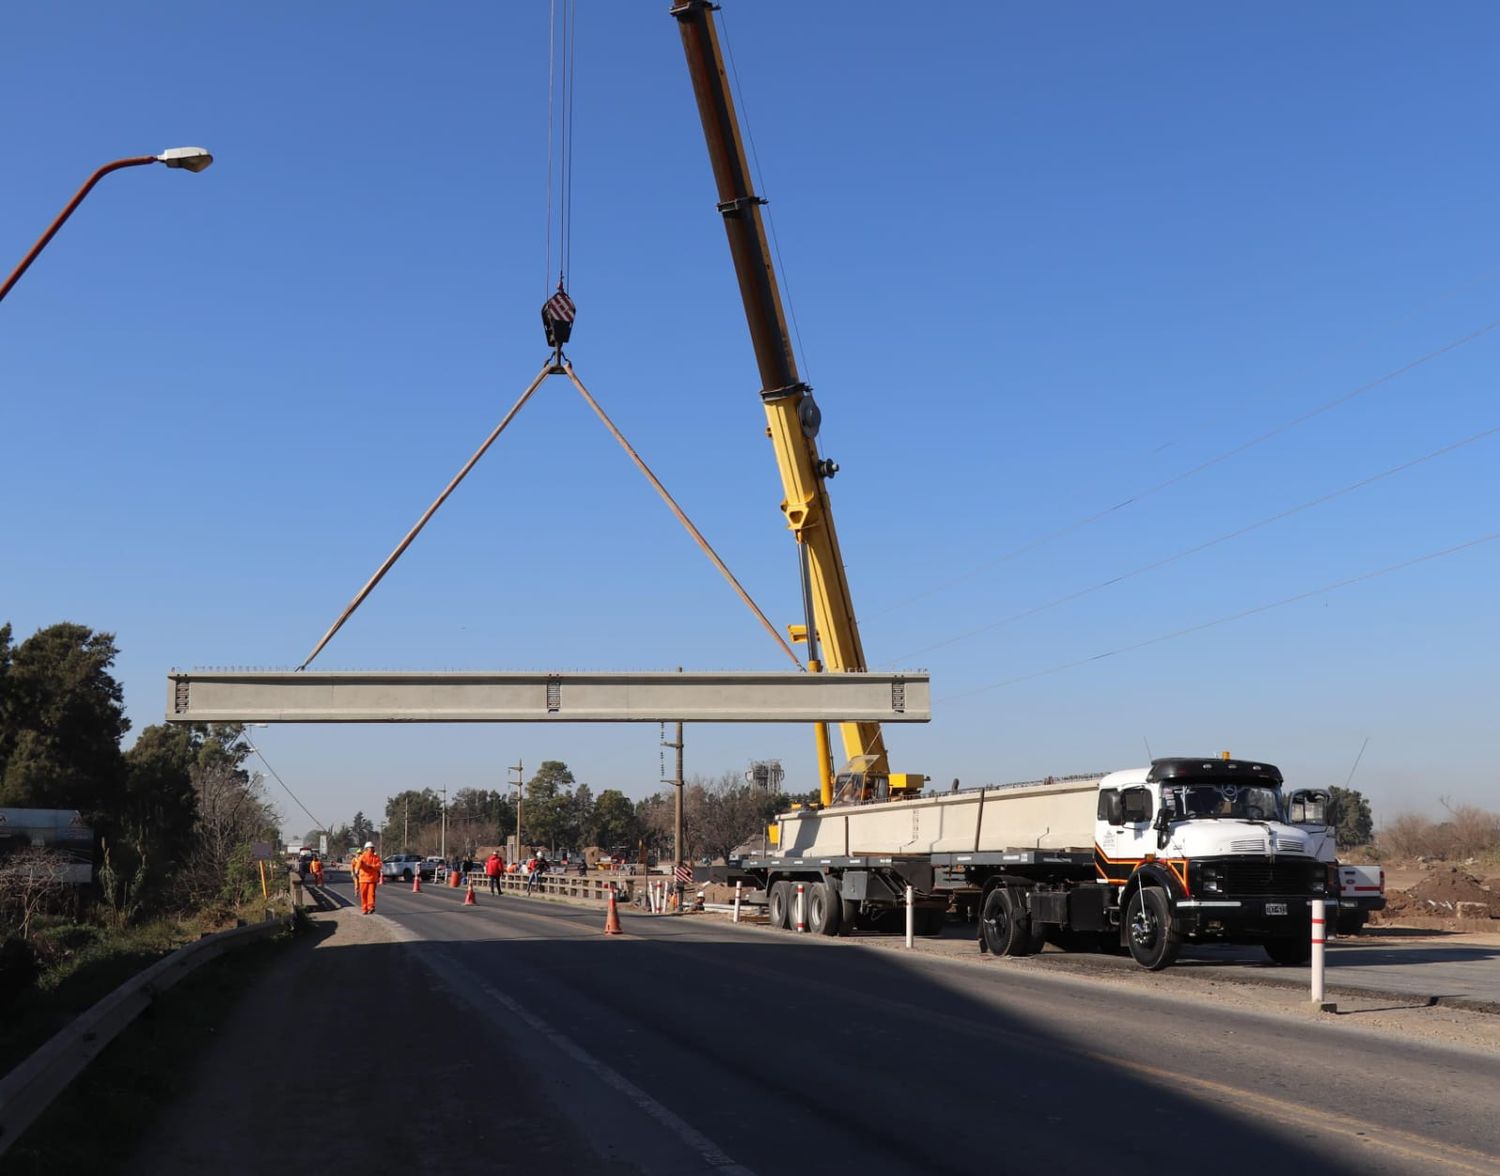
194,159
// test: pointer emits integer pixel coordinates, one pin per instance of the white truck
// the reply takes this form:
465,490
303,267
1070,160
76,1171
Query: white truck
1187,850
1357,890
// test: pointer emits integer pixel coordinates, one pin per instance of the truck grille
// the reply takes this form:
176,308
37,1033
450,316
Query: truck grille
1252,878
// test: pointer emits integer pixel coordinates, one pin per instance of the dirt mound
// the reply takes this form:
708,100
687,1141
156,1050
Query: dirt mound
1440,893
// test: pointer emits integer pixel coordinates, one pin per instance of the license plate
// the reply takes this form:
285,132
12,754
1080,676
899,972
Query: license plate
1275,908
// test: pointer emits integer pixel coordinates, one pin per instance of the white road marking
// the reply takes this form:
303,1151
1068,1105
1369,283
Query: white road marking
711,1153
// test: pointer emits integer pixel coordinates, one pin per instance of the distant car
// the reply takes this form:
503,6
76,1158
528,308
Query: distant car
406,866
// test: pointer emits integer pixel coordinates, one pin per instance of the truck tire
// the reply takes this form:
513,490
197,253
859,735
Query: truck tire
1289,953
780,905
1005,925
1153,942
823,908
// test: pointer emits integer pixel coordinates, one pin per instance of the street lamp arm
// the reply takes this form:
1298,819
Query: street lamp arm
88,186
193,159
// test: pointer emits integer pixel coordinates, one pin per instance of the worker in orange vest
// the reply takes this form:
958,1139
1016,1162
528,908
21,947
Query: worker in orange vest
315,869
367,876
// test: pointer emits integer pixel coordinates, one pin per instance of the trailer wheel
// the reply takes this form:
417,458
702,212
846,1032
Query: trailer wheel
823,908
1153,942
1005,925
780,905
1289,953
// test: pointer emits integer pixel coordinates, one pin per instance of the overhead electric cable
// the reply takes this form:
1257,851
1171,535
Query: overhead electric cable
1205,545
317,824
1218,459
1249,612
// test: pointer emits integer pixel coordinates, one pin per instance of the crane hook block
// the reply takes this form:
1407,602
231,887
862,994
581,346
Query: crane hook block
557,317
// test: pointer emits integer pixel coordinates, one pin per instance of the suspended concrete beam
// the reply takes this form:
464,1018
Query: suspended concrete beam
465,696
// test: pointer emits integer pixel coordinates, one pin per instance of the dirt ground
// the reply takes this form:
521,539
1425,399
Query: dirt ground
1429,894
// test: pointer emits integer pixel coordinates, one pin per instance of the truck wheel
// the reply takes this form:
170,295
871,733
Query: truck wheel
823,908
1006,927
1289,953
1153,942
780,904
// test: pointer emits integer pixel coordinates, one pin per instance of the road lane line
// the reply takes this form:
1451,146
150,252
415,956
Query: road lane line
690,1136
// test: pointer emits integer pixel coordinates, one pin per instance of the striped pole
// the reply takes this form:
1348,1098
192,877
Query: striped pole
911,919
801,917
1319,940
737,886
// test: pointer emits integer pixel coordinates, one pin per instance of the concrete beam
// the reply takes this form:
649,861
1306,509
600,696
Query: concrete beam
464,696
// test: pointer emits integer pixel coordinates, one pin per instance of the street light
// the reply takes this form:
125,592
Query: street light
193,159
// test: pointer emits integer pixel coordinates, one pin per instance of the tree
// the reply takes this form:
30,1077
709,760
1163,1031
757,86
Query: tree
62,717
155,825
32,881
549,795
612,822
361,830
1353,824
733,812
408,813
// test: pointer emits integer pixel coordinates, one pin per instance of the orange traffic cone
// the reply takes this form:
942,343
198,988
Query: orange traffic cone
416,883
469,897
612,920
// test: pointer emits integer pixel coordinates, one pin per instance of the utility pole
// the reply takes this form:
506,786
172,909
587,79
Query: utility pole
406,826
520,770
443,844
677,837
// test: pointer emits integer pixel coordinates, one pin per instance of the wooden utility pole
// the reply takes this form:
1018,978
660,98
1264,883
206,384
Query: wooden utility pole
520,771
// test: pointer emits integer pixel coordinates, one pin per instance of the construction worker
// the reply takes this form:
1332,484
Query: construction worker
494,866
366,870
315,870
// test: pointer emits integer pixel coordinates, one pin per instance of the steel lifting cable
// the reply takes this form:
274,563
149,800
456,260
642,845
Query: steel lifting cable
677,510
391,559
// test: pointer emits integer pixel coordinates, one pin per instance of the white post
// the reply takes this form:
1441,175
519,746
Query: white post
911,919
801,919
737,886
1319,939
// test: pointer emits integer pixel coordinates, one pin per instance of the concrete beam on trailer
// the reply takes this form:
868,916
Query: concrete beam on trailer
505,696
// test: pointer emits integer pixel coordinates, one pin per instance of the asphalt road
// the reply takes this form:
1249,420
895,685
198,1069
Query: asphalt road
515,1037
689,1045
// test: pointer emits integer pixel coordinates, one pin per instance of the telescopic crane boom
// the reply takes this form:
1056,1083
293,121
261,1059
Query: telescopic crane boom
792,416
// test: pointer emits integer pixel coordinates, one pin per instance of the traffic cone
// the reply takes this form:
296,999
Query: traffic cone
416,883
469,897
612,920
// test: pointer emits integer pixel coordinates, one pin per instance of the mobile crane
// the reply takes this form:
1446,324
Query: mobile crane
829,627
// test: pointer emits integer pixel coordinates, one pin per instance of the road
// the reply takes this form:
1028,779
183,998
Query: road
690,1045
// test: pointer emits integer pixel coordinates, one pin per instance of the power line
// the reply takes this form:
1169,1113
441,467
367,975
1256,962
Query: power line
1218,459
317,824
905,658
1249,612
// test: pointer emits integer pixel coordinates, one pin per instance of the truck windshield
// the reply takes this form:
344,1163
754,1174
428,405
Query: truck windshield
1216,801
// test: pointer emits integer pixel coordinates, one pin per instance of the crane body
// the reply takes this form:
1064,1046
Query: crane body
792,418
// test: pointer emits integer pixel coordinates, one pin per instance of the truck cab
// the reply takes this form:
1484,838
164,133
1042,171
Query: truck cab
1201,850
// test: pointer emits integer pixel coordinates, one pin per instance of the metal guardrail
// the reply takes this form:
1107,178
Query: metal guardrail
29,1089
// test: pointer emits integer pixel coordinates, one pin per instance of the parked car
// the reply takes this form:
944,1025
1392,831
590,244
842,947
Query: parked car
406,866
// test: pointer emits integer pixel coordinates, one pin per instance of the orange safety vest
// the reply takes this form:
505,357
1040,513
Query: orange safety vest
367,866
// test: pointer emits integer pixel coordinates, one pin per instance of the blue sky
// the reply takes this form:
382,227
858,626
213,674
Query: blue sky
1042,259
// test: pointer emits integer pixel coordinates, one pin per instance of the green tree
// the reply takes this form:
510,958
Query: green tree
62,717
612,822
407,814
360,830
549,796
1351,818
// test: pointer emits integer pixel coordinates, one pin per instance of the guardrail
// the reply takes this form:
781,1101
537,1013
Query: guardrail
29,1089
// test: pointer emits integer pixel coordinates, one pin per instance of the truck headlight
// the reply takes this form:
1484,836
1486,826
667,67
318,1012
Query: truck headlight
1211,878
1319,884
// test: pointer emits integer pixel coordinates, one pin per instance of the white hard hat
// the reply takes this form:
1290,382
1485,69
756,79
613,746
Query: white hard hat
369,845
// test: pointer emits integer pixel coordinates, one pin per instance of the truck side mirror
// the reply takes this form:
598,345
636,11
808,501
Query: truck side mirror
1308,808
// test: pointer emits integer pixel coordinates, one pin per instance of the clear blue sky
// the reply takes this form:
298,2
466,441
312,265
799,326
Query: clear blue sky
1043,259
